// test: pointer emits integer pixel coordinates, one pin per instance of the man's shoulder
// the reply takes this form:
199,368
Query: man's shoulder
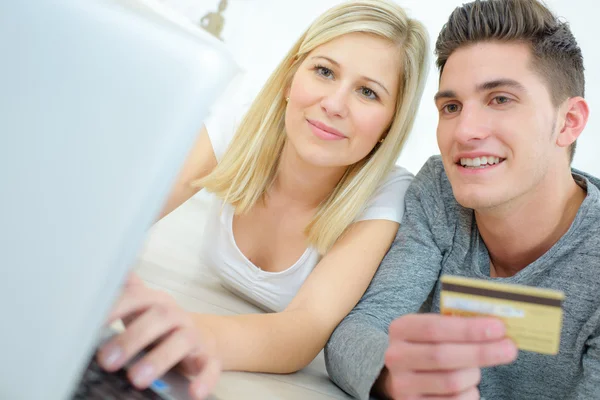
581,244
591,181
433,164
432,178
577,259
592,185
431,191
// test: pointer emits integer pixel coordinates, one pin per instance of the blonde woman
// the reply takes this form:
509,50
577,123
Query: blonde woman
307,201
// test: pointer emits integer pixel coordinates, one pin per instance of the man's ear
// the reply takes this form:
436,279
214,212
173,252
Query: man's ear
576,113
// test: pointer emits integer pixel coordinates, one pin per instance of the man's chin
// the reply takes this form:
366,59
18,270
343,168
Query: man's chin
475,200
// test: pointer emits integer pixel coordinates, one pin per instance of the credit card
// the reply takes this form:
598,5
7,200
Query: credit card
533,316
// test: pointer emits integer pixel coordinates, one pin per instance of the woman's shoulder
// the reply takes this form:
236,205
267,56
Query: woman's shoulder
398,178
388,200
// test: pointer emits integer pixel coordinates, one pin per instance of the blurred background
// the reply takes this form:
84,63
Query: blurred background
260,32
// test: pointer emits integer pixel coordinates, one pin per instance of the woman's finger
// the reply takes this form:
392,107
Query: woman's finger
206,381
169,352
135,300
150,326
133,280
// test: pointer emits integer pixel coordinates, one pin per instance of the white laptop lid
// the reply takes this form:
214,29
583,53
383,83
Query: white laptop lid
101,101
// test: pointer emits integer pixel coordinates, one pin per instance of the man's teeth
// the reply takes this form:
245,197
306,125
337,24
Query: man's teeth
479,161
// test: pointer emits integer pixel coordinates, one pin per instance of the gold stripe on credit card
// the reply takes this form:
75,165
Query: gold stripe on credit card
533,316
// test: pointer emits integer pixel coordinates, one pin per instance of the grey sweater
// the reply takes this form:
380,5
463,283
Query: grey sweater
438,236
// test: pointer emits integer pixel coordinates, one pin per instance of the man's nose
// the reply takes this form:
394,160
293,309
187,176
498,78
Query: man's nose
471,125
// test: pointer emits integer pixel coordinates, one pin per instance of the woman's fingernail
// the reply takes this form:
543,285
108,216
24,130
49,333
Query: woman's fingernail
201,391
143,375
112,354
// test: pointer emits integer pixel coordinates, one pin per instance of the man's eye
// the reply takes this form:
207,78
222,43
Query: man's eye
451,108
501,100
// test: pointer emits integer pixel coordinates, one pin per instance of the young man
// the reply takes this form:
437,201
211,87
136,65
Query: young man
502,204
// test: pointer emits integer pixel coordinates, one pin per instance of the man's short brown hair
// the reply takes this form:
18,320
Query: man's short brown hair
556,55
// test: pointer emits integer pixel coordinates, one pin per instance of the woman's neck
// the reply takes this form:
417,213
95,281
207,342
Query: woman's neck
302,184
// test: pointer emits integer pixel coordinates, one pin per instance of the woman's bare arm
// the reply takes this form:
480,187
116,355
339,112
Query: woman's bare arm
199,163
287,341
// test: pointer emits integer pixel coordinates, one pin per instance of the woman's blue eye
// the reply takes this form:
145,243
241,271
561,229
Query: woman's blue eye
323,71
368,93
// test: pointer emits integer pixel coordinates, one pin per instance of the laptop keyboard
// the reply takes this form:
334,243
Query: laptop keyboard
101,385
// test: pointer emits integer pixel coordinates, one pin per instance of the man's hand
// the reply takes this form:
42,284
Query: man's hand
153,318
431,356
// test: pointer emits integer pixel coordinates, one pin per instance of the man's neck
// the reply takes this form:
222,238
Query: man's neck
301,184
523,231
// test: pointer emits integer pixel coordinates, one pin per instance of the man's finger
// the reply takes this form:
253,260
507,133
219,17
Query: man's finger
471,394
435,383
406,356
435,328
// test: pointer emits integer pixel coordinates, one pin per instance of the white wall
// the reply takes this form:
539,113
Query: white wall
260,32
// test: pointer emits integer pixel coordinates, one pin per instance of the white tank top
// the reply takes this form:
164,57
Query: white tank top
273,291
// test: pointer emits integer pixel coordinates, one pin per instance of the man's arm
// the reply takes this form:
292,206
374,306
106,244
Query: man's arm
354,354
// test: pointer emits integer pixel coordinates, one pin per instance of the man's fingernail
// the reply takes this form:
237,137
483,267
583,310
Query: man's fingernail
143,375
505,351
491,332
111,356
487,332
511,350
494,330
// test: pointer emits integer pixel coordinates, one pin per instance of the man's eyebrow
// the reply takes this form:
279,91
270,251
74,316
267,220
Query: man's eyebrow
496,83
444,94
363,77
482,87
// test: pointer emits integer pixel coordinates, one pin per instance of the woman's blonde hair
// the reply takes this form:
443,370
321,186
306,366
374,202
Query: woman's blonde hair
249,165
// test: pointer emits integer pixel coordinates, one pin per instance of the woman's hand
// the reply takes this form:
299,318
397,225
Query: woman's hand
153,318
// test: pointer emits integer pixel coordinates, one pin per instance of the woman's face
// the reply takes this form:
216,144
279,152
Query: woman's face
342,99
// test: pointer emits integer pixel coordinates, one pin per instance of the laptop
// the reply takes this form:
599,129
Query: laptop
101,101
